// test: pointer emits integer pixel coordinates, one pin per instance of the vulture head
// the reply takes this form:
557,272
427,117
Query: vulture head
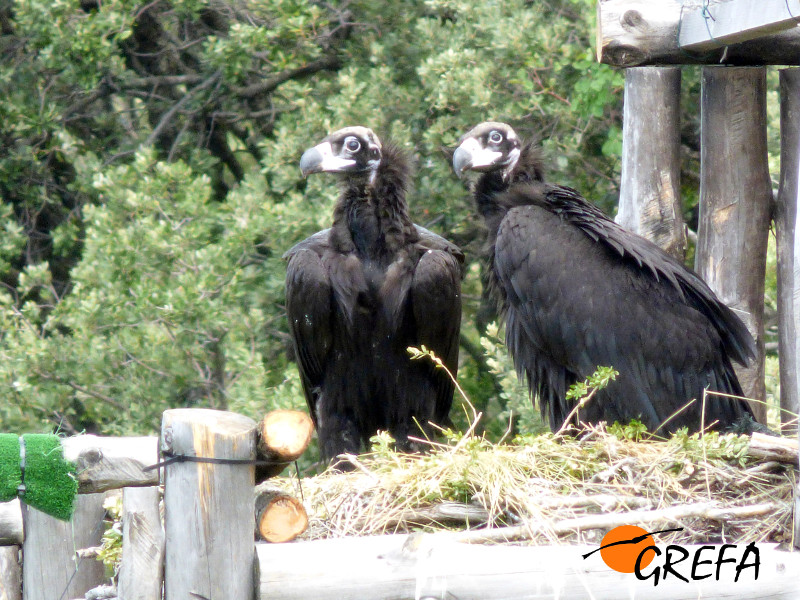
490,146
352,151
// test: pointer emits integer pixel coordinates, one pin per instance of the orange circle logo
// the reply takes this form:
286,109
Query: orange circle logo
622,546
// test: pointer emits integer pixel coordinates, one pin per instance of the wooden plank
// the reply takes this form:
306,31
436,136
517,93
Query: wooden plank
52,568
11,532
10,573
435,566
650,198
788,246
105,463
209,509
643,32
734,22
141,573
736,203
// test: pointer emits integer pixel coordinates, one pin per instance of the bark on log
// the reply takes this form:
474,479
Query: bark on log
52,567
283,436
650,198
434,566
209,510
280,517
771,448
11,531
735,203
642,32
141,573
10,573
106,463
788,247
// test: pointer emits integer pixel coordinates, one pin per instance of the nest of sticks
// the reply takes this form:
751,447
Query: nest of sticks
559,488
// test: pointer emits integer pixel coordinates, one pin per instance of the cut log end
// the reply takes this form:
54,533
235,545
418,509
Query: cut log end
283,436
279,517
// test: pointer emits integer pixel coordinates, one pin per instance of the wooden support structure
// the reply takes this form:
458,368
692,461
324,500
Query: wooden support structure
208,508
734,22
141,573
283,436
436,566
788,247
650,196
634,33
735,203
52,567
108,463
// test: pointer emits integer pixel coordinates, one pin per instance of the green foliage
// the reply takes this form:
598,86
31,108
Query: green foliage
599,380
110,552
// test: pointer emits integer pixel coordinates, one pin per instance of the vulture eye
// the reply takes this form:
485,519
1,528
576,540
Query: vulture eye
352,144
495,137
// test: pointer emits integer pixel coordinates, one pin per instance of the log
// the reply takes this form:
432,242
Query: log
735,204
650,198
53,569
430,566
772,448
10,573
283,436
280,517
141,572
788,248
11,532
208,508
634,33
106,463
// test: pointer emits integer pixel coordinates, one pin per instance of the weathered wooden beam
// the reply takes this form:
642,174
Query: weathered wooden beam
435,566
10,573
105,463
52,569
141,572
736,203
788,246
645,32
209,510
11,532
650,196
734,22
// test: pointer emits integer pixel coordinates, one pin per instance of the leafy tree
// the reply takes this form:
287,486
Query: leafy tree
149,181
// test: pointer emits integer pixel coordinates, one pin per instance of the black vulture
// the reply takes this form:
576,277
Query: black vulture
579,291
360,293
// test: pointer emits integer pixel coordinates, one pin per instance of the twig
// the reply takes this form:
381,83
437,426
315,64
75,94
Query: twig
703,510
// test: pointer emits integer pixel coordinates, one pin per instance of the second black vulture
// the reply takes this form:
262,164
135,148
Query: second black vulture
358,294
579,291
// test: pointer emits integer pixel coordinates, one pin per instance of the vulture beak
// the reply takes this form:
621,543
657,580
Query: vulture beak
472,155
321,158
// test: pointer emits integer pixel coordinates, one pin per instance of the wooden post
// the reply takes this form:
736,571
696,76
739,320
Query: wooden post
141,573
51,568
650,198
787,245
111,463
209,508
10,573
10,524
735,203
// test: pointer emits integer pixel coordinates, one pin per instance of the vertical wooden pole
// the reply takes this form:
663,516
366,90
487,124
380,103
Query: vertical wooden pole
141,573
735,203
788,245
10,573
51,568
209,508
650,197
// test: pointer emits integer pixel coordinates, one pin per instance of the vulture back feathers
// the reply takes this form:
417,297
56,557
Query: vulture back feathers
578,291
359,293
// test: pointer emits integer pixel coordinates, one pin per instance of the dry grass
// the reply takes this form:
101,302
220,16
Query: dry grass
541,484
